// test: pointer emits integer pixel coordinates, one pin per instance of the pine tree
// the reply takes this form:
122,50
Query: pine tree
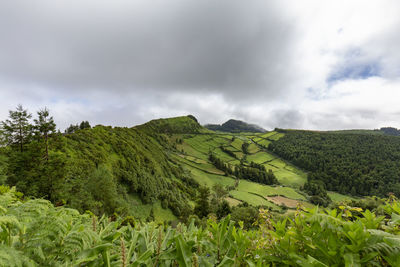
44,126
202,207
17,129
84,125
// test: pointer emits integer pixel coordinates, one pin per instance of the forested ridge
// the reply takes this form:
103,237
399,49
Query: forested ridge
92,168
355,164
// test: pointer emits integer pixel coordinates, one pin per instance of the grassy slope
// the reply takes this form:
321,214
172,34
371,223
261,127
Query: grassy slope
336,197
197,147
138,163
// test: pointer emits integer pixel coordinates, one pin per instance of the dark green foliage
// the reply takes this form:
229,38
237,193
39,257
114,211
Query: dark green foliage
256,173
223,209
178,125
246,214
348,163
245,147
235,126
219,192
317,191
84,125
43,128
3,168
193,118
71,129
93,168
220,164
136,162
17,129
229,152
202,208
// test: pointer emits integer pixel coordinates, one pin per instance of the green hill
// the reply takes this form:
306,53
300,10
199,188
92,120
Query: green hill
177,125
154,170
106,169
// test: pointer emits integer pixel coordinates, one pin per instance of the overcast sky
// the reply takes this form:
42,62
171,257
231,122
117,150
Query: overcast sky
289,64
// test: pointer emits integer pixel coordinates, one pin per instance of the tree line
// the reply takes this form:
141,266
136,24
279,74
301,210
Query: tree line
254,172
355,164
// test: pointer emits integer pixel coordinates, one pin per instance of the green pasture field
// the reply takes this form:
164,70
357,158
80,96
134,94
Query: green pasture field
252,199
260,157
269,134
266,190
233,201
253,148
208,179
290,178
264,142
336,197
237,143
258,139
276,136
222,155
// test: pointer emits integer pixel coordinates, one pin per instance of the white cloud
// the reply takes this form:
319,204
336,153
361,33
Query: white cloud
271,63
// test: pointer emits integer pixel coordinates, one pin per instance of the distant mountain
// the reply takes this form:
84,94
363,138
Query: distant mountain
390,131
235,126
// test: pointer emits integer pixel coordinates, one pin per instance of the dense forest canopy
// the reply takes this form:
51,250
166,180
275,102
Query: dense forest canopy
356,164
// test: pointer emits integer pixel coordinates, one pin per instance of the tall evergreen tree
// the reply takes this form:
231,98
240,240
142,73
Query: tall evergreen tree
202,207
84,125
17,129
44,126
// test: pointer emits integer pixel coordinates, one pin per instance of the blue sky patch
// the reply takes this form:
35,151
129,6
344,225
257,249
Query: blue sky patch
360,71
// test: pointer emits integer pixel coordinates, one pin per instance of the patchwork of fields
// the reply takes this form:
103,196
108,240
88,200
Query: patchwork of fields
193,154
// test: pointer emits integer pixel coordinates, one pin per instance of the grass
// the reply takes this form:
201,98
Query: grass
162,215
252,199
206,167
260,157
264,142
142,211
222,155
202,143
266,190
336,197
269,134
278,163
253,148
289,178
233,201
237,143
276,137
191,151
208,179
197,148
258,139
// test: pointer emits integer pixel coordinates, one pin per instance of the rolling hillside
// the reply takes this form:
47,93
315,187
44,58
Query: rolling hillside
154,171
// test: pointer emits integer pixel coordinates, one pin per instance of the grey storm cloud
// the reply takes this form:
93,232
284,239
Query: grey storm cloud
289,64
210,46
